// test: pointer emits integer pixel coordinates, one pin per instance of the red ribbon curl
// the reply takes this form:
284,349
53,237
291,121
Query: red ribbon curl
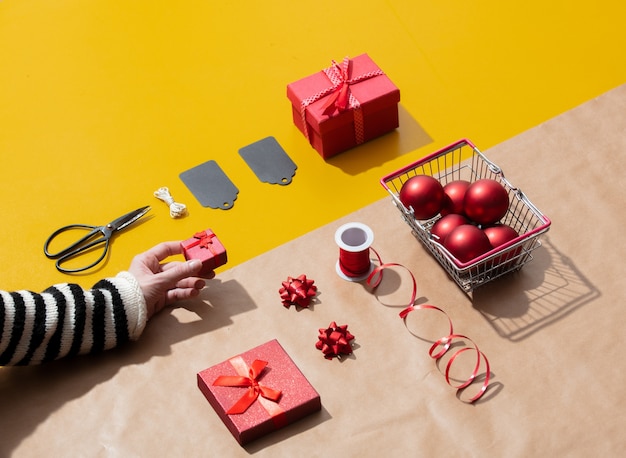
443,343
334,341
255,389
298,291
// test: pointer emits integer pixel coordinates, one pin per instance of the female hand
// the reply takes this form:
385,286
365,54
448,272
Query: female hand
165,283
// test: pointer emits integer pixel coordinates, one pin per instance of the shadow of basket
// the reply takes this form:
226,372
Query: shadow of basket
549,288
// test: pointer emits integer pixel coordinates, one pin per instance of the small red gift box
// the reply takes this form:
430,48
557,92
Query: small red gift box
258,391
344,105
206,247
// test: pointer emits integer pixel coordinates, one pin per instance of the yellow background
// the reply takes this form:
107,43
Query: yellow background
102,102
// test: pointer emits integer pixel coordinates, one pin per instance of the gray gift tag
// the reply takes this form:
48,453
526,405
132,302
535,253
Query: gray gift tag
269,161
210,185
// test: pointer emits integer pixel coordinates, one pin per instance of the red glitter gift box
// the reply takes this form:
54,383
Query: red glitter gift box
258,391
344,105
206,247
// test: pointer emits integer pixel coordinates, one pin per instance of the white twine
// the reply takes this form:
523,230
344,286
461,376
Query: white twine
176,209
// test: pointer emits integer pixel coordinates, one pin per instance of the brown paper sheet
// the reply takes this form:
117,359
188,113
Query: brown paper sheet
552,332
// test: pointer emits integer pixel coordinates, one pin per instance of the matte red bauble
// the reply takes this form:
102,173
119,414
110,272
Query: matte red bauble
425,194
500,234
467,242
455,195
447,224
486,201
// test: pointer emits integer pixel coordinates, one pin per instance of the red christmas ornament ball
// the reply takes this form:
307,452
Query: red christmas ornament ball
455,196
486,201
467,242
425,194
447,224
498,235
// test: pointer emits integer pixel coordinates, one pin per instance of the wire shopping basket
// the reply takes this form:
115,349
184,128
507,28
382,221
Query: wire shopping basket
463,161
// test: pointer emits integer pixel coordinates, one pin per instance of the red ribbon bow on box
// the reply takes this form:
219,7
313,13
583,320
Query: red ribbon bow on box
339,76
297,291
341,98
204,240
255,389
334,341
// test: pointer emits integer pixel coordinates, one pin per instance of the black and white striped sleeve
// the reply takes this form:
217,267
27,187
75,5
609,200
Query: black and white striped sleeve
66,320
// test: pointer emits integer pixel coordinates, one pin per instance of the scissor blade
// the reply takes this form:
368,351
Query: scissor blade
127,219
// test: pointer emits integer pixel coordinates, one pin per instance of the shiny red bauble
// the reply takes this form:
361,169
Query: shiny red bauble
500,234
467,242
486,201
455,195
425,194
447,224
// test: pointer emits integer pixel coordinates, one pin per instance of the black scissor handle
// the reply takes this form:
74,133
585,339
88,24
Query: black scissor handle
96,236
77,252
80,243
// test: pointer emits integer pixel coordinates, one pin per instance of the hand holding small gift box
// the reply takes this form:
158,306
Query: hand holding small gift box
206,247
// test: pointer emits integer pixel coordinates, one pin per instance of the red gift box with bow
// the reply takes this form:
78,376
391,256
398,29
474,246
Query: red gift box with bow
344,105
258,391
206,247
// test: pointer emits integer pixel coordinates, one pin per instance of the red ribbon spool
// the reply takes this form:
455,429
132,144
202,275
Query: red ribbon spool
354,241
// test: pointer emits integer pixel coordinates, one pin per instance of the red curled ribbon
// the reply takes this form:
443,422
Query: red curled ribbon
298,291
341,97
334,341
255,389
443,343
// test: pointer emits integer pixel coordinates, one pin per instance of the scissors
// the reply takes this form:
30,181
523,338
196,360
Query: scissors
97,235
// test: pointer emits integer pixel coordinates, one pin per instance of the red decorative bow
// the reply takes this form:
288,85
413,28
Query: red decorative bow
254,388
297,291
334,341
339,97
204,239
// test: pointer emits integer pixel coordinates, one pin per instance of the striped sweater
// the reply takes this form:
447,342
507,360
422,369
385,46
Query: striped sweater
67,320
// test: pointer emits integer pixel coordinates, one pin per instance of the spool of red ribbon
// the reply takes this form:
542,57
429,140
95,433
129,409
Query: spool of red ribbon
354,241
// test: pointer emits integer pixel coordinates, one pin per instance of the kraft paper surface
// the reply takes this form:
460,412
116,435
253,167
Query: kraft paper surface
552,333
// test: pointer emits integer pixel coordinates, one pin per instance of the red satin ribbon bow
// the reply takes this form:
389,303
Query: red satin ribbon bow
334,341
297,291
339,97
255,389
204,239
